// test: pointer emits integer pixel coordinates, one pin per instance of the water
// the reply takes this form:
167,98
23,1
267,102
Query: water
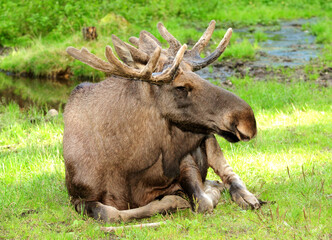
292,46
288,46
26,91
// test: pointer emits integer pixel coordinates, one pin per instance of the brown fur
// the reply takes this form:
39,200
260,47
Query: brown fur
128,143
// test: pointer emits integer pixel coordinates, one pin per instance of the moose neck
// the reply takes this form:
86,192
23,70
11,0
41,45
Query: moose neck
174,140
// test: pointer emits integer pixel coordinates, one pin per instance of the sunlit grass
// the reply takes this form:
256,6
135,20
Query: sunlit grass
260,36
242,50
323,31
288,164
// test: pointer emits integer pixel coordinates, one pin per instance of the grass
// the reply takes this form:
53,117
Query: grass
323,31
260,36
288,164
42,30
44,59
242,50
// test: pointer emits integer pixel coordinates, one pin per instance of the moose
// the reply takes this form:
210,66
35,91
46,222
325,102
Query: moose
141,141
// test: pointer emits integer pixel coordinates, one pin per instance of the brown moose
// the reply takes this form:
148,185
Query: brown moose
141,141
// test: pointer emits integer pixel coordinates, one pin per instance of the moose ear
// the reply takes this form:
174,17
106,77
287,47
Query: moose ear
189,87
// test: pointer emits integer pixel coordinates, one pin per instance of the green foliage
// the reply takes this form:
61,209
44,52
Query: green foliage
24,20
31,19
42,30
45,58
279,96
323,32
327,55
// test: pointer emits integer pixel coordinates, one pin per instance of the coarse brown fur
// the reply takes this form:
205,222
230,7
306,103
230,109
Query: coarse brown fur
130,142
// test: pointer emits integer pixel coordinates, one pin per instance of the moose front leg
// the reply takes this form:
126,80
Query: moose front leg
232,181
203,197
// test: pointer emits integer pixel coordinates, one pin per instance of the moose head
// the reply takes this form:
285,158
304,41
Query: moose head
184,98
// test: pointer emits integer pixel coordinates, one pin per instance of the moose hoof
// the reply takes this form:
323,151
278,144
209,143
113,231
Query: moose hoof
204,204
243,197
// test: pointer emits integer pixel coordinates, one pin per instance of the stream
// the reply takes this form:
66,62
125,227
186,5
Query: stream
288,46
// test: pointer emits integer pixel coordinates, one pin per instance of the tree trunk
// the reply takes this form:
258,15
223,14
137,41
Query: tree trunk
89,33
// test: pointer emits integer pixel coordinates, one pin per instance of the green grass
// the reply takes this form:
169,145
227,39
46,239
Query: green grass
260,36
243,50
288,164
323,31
42,30
43,59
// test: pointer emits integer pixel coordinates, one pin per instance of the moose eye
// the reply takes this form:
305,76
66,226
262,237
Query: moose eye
181,89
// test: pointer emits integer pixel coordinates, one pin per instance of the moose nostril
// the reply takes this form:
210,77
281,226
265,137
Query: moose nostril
245,139
242,136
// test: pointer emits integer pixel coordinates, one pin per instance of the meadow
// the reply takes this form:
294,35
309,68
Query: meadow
288,164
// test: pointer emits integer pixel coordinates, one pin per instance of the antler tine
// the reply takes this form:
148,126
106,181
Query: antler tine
126,71
151,65
203,41
90,59
199,63
147,43
134,41
151,36
169,74
149,46
122,69
137,54
115,66
174,44
122,49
